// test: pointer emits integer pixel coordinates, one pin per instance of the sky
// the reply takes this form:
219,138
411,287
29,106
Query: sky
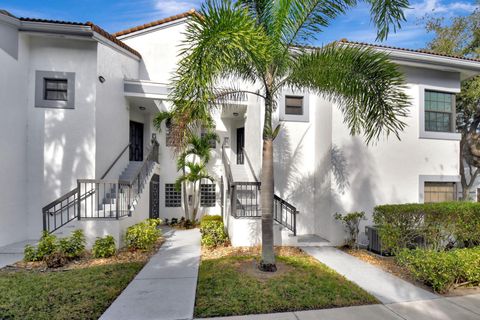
122,14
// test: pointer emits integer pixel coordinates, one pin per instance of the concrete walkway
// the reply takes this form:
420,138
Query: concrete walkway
165,288
386,287
457,308
13,252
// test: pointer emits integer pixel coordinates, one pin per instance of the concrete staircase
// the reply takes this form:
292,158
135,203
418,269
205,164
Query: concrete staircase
241,173
129,173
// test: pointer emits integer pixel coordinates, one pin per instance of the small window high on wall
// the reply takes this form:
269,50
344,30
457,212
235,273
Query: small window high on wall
439,111
439,191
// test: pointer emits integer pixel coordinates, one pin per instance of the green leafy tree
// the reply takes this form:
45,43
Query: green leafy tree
260,43
461,37
194,174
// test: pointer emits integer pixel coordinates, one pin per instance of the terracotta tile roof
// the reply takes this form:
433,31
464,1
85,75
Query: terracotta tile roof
92,26
156,23
408,50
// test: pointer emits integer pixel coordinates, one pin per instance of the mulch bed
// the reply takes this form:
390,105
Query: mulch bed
389,265
122,256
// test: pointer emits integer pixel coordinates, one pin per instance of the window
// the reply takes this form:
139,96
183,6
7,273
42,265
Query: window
173,198
169,133
54,89
294,105
439,111
207,195
439,191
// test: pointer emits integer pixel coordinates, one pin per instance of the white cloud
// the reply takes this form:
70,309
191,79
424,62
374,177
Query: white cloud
172,7
420,9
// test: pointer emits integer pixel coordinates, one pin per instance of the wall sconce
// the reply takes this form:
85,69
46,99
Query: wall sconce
235,114
101,79
154,137
141,108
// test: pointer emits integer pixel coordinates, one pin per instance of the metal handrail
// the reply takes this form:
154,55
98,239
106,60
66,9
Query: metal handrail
226,164
115,161
74,198
250,164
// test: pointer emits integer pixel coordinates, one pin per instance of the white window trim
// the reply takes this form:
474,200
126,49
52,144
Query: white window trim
41,102
292,117
433,178
431,134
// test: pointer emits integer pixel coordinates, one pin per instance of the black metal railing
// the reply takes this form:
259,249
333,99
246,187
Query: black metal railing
285,214
246,199
100,198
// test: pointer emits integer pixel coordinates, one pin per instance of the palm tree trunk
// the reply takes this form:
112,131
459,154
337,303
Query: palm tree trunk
185,196
268,254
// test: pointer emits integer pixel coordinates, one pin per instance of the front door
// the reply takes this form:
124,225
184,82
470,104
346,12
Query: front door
240,145
155,196
136,141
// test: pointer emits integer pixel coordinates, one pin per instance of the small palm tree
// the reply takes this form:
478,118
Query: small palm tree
194,174
261,43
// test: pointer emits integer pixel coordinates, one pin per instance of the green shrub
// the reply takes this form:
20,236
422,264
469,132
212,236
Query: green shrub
442,269
47,245
351,222
142,236
153,222
434,225
74,246
30,253
213,231
104,247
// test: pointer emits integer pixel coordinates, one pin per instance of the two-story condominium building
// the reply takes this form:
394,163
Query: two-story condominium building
80,149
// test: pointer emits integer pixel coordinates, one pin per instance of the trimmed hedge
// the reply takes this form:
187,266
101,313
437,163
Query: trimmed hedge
442,269
434,225
213,231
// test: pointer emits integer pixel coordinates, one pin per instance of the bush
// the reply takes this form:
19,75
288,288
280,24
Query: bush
434,225
442,269
68,248
104,247
74,246
142,236
56,259
351,222
213,231
153,222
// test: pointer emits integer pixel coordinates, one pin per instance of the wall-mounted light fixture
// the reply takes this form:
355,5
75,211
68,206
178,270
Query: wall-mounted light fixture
141,108
101,79
235,114
154,137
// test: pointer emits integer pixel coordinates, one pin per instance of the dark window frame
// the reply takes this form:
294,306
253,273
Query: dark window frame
173,198
430,112
208,195
301,107
56,82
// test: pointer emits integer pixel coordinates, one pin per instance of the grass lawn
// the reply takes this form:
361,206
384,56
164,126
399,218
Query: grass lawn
81,290
230,284
71,294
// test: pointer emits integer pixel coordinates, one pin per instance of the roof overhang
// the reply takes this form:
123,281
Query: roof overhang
466,68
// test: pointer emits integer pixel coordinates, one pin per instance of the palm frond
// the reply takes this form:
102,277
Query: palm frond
386,14
368,87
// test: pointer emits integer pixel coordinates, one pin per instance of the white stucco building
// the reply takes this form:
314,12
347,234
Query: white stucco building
78,104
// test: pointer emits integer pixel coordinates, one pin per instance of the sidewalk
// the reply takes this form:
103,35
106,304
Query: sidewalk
456,308
13,252
386,287
165,288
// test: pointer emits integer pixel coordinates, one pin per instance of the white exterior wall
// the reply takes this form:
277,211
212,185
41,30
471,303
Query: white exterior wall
112,112
13,160
389,171
60,142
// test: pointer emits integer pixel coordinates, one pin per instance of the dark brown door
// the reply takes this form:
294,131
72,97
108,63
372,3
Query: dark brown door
240,145
136,141
155,196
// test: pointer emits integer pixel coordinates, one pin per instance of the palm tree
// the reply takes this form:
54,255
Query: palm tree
263,43
194,174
